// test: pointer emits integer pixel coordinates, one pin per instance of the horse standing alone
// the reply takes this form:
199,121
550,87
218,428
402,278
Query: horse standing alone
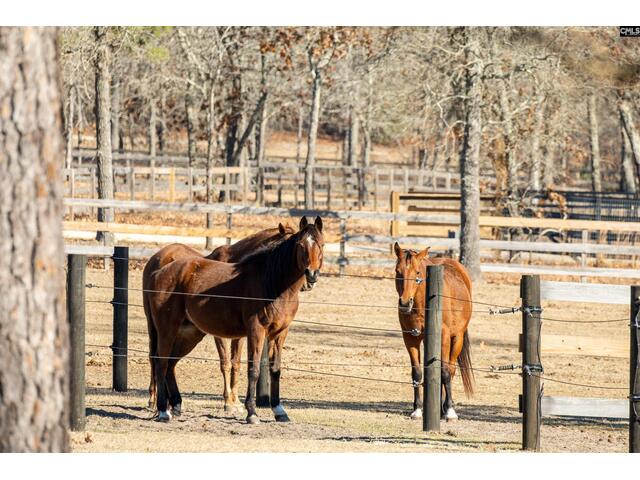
256,297
411,285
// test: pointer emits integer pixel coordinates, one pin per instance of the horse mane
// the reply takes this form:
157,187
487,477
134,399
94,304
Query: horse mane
275,261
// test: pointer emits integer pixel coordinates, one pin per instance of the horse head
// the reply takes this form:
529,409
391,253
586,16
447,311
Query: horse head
410,272
309,250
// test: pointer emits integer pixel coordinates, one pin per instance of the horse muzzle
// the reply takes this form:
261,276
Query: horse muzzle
311,277
405,307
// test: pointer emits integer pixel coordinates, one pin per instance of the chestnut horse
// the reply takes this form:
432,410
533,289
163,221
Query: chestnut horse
188,335
254,298
411,285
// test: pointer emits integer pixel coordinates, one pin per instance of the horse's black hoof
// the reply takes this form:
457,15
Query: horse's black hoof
163,417
283,418
253,420
176,410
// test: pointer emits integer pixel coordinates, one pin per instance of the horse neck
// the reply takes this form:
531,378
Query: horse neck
289,277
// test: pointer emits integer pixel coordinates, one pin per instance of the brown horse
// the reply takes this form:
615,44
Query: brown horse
188,335
254,298
411,285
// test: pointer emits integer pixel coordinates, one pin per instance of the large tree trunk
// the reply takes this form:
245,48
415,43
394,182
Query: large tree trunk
470,157
103,129
34,382
626,156
549,166
162,122
191,122
596,175
311,142
68,127
630,126
299,134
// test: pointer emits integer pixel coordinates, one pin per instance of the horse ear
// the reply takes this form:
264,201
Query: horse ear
423,254
397,249
303,223
318,224
282,229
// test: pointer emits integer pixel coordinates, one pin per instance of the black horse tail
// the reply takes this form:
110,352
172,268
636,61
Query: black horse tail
466,369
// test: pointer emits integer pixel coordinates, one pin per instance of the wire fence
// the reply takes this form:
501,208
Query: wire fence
493,309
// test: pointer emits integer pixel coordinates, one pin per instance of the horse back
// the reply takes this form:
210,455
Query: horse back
240,249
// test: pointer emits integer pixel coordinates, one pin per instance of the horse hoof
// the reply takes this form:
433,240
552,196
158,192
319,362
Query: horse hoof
164,416
416,414
451,415
176,410
253,419
283,418
280,413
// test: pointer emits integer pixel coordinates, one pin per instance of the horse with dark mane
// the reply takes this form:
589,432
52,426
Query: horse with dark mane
189,335
411,285
255,298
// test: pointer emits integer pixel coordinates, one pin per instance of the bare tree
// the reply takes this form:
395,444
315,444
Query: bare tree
34,391
470,155
103,128
596,174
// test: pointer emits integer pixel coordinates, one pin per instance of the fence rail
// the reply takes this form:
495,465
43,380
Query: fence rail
366,243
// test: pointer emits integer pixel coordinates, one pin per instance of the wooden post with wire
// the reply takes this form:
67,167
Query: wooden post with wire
531,363
120,317
432,384
634,372
262,394
76,278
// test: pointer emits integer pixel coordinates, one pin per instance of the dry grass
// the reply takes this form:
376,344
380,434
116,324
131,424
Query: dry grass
341,414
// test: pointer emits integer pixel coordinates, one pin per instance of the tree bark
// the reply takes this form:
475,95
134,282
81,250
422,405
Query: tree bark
354,130
103,129
162,122
153,121
116,137
299,134
470,157
211,148
536,151
624,106
68,124
314,118
626,156
596,175
34,382
191,122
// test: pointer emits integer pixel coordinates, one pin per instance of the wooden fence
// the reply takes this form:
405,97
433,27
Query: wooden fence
372,250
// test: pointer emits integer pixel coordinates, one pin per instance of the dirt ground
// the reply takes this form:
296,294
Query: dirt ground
342,414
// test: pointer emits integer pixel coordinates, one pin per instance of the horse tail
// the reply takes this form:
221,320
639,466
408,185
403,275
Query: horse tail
466,369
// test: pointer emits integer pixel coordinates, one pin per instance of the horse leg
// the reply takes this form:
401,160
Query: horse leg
275,358
225,367
255,343
456,348
448,412
175,399
152,384
166,340
236,358
413,347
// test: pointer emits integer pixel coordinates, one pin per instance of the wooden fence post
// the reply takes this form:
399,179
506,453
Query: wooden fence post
132,183
634,373
76,277
342,261
432,384
263,394
531,362
120,317
172,184
229,223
